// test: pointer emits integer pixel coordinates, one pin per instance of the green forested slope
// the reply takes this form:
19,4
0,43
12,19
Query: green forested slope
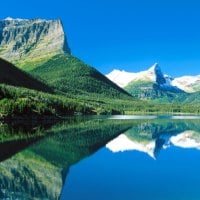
153,92
24,102
70,75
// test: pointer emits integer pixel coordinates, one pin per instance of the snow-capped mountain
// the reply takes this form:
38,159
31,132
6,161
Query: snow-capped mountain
153,74
123,78
152,83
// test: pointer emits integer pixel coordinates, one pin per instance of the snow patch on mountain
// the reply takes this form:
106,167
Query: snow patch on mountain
153,74
123,78
189,84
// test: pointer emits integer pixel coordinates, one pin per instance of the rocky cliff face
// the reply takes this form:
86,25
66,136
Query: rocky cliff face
28,39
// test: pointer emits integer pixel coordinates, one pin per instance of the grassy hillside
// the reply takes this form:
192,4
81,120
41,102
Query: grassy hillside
11,75
70,75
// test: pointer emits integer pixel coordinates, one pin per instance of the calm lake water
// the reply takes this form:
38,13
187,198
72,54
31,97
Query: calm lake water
117,157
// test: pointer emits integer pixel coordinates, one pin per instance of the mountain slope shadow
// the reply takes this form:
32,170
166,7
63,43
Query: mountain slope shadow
11,75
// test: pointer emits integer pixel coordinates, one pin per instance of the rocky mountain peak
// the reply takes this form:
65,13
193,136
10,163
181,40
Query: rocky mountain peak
154,68
28,39
159,76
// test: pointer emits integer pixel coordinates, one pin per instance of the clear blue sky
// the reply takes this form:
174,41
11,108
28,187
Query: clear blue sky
124,34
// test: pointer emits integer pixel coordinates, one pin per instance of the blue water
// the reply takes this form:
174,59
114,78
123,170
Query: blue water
174,175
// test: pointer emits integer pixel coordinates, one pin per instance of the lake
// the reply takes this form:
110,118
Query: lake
102,158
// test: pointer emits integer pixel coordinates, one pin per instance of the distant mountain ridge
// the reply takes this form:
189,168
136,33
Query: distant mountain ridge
189,84
152,83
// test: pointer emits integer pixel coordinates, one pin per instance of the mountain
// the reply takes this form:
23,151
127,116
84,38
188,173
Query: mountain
39,50
40,47
11,75
79,88
123,78
70,75
31,41
150,84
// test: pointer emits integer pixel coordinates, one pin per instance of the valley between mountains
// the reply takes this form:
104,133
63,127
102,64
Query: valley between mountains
39,77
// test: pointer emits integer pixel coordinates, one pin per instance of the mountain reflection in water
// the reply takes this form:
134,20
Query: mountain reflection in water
39,165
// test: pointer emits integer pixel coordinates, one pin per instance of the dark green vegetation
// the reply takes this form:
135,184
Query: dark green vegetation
22,102
11,75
